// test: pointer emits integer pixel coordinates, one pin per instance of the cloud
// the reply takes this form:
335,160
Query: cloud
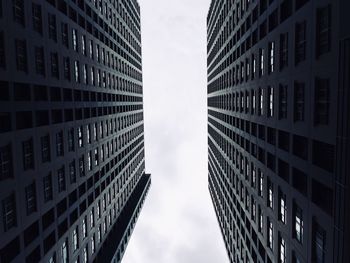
177,222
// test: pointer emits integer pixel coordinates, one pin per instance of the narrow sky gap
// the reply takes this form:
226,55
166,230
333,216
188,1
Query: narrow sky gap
177,223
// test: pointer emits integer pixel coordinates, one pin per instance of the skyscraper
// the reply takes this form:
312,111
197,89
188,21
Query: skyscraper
278,128
72,162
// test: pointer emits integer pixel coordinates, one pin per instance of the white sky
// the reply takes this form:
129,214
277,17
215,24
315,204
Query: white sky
177,223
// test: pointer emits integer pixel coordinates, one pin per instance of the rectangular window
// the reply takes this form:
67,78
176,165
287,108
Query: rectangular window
30,193
299,101
72,173
261,102
6,169
83,45
261,69
282,252
271,67
318,243
47,185
81,166
9,212
21,55
39,61
261,183
75,39
45,149
52,27
270,94
323,30
282,207
322,101
283,50
270,234
61,180
18,11
75,239
298,229
28,154
37,18
54,65
64,33
76,71
283,102
59,144
300,42
71,140
270,194
66,68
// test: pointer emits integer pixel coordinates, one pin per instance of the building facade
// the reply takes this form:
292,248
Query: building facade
72,162
278,128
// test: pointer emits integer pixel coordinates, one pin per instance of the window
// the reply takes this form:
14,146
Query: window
59,144
39,61
89,161
299,101
37,18
96,157
80,136
269,234
283,50
64,34
261,183
270,194
75,239
52,27
30,193
282,207
72,173
18,11
9,212
253,66
21,55
85,78
298,224
93,244
300,42
66,68
81,166
282,248
45,149
83,45
270,95
85,254
75,39
76,71
322,100
64,252
71,140
323,30
6,169
28,154
61,180
83,226
91,50
283,102
261,220
318,243
271,67
92,218
47,184
261,55
54,65
261,102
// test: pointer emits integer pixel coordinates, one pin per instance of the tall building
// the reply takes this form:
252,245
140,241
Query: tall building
72,162
278,128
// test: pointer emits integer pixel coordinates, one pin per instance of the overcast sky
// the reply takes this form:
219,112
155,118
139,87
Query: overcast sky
177,223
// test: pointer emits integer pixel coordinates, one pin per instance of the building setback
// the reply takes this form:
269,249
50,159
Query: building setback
72,162
278,128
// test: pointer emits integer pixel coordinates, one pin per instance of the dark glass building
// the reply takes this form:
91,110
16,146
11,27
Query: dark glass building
278,128
72,162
